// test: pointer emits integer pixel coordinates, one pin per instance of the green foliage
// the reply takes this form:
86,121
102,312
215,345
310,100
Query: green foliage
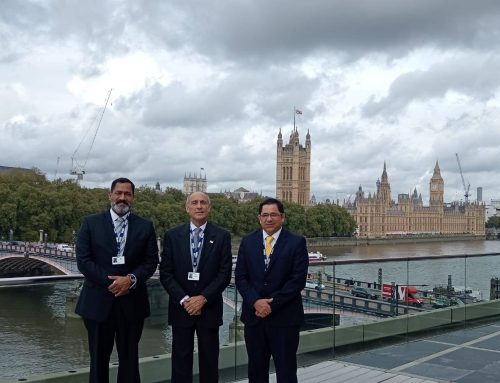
30,203
493,221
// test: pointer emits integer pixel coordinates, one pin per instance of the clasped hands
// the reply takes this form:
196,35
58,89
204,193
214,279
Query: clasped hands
120,285
263,307
193,305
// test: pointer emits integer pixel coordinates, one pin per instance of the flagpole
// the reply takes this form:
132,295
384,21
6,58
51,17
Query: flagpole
294,118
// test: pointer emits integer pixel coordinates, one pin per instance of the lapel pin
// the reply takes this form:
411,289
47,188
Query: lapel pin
211,241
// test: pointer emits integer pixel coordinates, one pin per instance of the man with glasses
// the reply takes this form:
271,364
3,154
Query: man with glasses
270,273
195,268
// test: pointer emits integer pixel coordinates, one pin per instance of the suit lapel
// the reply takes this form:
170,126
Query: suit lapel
208,245
109,231
185,246
258,257
277,249
131,233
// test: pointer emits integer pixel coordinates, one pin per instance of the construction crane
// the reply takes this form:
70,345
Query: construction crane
466,188
78,168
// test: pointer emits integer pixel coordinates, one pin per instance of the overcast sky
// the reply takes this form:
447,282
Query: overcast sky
209,84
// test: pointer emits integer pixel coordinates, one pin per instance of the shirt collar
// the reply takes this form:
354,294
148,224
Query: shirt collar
115,216
275,235
192,226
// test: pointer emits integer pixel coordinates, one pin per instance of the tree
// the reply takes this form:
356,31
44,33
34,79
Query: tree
30,203
493,221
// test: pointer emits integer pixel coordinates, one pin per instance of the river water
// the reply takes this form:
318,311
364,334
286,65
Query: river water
36,337
474,272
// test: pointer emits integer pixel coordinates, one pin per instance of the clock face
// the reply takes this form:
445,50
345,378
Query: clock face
434,187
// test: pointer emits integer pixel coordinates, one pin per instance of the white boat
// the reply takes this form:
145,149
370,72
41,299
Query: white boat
474,294
316,256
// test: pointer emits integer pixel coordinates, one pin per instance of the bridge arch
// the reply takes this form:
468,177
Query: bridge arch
19,265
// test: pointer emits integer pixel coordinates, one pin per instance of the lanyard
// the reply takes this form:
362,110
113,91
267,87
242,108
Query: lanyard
266,258
196,250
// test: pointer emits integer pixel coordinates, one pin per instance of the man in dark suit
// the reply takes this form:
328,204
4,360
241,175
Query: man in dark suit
117,253
195,269
271,271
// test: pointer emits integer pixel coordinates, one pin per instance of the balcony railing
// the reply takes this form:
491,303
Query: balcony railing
407,297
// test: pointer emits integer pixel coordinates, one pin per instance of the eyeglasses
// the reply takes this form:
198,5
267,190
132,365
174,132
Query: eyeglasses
269,215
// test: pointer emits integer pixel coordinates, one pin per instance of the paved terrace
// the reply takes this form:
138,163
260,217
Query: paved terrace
465,354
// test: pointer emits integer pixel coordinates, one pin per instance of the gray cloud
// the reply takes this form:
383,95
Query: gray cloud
328,58
471,76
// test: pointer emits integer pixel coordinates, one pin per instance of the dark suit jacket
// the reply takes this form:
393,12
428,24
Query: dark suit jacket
283,281
95,246
215,268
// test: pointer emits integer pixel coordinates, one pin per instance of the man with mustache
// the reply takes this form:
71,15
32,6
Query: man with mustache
270,273
117,253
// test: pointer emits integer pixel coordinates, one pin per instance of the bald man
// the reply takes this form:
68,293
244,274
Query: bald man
195,269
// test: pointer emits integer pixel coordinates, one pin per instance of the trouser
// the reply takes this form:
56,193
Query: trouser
262,342
182,353
102,336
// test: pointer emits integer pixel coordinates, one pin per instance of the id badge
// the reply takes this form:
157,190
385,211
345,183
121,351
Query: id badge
193,276
118,260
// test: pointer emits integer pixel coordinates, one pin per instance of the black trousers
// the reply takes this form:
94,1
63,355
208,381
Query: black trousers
182,353
102,336
262,342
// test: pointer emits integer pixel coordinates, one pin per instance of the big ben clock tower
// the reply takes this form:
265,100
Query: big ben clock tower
436,186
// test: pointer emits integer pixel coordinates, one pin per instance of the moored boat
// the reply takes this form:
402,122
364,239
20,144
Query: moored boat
316,256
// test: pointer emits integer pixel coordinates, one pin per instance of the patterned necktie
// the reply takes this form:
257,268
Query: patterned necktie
196,237
120,234
269,245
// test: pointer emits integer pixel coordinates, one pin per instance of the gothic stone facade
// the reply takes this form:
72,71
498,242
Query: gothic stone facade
378,216
293,167
194,183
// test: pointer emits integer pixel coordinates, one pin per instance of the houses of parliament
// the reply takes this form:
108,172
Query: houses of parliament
377,215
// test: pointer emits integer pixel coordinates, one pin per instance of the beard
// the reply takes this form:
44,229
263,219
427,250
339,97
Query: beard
120,207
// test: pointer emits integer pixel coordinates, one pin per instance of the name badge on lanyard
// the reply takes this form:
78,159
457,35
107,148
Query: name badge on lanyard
118,260
193,276
195,255
120,245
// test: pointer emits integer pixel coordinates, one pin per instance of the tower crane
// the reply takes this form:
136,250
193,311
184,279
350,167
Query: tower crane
466,188
77,168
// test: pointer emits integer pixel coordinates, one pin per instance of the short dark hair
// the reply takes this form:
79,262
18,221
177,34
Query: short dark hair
272,201
122,180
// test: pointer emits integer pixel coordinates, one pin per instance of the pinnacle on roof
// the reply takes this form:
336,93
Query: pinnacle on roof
384,174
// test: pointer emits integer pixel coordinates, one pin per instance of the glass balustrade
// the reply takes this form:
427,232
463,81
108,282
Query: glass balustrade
351,306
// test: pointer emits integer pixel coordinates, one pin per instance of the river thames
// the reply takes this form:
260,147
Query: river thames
36,337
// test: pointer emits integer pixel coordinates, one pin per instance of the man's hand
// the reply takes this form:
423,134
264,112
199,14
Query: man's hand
262,307
193,305
120,285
